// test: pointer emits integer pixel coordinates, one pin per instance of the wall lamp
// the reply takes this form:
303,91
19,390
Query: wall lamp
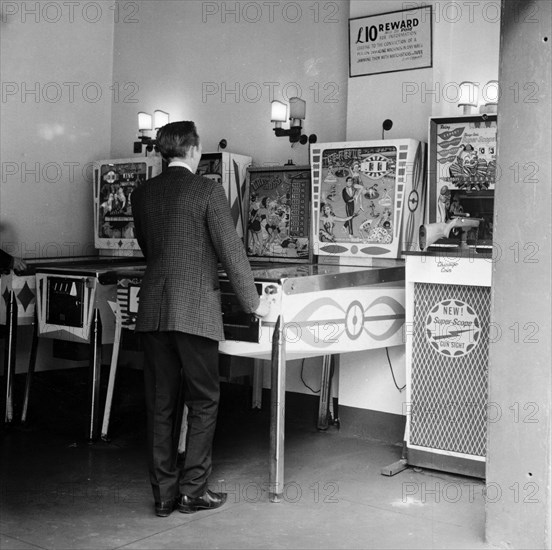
297,112
145,124
491,93
469,96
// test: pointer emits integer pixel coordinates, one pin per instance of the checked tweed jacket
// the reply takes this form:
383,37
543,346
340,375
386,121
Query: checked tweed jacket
184,227
5,260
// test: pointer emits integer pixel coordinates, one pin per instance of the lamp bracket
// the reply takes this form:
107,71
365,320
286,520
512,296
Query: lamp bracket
149,142
294,133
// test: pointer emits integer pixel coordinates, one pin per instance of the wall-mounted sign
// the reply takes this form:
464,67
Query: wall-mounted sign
390,42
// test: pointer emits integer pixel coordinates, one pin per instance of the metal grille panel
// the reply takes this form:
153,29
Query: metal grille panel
448,391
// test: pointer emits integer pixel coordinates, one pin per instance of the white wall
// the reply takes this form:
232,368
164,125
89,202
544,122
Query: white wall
466,38
56,71
201,61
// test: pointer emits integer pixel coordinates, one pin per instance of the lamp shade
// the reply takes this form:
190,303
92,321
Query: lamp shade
469,93
278,111
297,108
144,121
160,118
491,92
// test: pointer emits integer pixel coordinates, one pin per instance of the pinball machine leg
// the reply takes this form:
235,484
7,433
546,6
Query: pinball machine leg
30,369
112,372
324,401
257,384
95,372
277,414
10,355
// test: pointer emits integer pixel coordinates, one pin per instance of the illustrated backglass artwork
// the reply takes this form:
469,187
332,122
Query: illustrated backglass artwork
210,166
462,170
278,214
114,182
367,197
230,170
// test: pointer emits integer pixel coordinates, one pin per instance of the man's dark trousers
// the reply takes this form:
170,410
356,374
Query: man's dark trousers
180,369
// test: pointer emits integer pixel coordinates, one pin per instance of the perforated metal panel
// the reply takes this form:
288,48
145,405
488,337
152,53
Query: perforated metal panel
449,368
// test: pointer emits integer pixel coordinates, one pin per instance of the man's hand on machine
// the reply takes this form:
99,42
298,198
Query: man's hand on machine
19,265
263,309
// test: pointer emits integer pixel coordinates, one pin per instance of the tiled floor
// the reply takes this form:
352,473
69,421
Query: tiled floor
60,492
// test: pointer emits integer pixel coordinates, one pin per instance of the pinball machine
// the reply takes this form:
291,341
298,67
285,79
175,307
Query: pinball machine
65,298
18,309
342,289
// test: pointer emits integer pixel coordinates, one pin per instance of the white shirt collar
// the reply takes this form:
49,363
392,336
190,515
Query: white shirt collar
180,163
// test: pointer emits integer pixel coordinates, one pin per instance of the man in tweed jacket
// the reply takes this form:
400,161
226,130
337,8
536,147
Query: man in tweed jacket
184,227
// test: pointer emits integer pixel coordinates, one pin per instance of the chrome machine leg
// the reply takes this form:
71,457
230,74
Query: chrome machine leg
325,396
257,383
31,369
10,355
95,372
112,371
277,413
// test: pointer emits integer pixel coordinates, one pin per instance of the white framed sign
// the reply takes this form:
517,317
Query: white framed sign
390,42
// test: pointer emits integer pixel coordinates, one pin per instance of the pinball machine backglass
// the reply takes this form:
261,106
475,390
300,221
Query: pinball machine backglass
368,198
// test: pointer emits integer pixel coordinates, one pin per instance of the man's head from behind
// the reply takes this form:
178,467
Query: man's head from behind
179,140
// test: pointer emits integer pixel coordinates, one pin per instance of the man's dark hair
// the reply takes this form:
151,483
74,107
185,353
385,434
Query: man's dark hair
175,139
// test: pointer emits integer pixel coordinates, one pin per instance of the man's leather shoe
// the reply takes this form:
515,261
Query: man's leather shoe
208,501
165,508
